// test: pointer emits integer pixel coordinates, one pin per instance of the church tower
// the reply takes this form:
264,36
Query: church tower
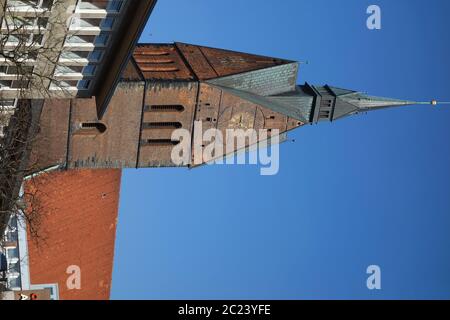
166,87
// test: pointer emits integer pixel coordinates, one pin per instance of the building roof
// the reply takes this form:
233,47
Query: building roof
296,106
78,228
265,82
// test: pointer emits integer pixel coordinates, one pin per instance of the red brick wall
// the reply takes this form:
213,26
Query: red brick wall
172,72
163,94
50,145
161,62
117,147
209,63
187,62
219,109
79,218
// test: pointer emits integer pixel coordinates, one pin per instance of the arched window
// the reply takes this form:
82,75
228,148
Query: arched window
156,62
324,114
152,53
162,125
93,127
162,68
164,108
159,142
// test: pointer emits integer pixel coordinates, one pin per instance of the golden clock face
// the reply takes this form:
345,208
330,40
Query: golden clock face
242,120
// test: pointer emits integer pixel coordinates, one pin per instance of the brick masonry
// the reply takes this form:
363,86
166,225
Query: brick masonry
164,87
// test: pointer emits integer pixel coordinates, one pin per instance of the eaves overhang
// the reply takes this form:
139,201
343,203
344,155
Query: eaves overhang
127,37
316,104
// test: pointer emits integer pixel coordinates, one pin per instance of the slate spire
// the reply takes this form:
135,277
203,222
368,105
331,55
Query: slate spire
331,103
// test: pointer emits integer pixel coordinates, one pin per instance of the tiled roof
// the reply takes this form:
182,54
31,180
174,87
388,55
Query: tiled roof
79,219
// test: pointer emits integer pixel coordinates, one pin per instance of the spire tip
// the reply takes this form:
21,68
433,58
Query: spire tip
436,103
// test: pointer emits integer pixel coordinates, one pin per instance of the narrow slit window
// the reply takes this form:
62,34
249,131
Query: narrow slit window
162,125
94,126
160,142
151,68
164,108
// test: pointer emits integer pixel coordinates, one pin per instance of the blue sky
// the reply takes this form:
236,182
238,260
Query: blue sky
369,189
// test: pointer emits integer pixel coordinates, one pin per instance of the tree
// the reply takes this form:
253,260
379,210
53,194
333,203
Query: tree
31,41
